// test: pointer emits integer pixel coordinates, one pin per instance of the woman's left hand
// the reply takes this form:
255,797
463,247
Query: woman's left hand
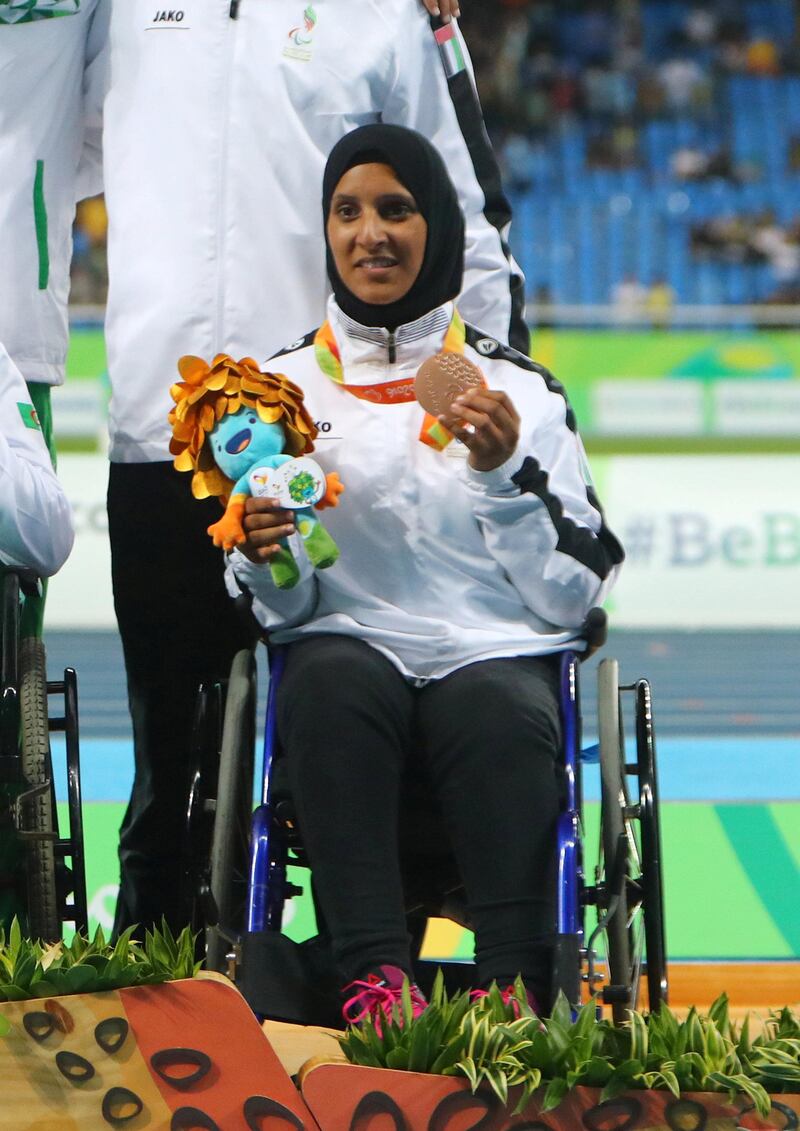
487,423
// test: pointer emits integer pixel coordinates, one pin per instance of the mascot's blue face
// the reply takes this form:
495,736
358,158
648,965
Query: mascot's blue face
241,440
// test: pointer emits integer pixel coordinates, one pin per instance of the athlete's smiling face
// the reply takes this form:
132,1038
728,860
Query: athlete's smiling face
376,233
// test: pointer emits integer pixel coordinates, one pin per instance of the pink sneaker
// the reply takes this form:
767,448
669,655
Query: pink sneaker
378,994
508,995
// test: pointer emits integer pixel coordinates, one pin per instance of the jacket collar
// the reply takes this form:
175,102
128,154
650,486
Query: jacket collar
369,346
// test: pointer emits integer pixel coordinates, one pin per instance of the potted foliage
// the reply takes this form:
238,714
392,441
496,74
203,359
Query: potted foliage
130,1034
567,1072
31,969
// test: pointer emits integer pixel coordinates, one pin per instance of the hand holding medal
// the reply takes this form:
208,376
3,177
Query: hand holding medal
453,391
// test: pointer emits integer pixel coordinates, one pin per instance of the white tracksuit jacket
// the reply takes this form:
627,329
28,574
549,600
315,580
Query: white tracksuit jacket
49,159
440,565
35,519
216,134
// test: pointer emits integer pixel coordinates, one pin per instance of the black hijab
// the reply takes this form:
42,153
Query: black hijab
418,166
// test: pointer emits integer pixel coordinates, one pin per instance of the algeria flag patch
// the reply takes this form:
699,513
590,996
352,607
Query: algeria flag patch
29,416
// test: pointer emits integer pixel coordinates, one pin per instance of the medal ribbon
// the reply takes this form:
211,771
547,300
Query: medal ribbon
432,433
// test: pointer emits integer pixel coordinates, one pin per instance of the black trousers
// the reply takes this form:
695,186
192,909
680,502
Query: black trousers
178,627
486,736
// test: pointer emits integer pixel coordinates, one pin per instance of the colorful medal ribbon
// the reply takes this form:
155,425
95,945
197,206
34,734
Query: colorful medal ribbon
432,432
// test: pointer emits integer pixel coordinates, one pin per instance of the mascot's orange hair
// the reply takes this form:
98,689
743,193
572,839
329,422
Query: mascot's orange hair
208,392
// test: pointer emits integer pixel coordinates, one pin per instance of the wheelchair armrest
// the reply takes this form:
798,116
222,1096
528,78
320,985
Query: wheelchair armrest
594,631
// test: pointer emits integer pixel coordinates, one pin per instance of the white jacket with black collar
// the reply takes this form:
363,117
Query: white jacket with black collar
440,565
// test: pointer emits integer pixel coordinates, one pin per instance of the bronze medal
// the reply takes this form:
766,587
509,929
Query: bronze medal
442,378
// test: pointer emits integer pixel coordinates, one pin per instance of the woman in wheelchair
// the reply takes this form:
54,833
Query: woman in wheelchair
472,547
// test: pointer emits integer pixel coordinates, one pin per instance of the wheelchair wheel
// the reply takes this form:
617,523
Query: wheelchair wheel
230,844
623,953
37,812
652,883
630,882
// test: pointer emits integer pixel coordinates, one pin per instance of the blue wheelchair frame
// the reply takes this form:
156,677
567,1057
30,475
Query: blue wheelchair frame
268,881
267,873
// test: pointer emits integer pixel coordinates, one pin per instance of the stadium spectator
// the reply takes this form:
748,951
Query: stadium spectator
686,84
731,50
628,298
659,303
700,25
777,246
762,57
689,163
693,163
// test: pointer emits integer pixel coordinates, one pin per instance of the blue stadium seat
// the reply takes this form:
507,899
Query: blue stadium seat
579,231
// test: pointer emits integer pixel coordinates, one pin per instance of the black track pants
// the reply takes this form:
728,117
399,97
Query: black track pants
487,736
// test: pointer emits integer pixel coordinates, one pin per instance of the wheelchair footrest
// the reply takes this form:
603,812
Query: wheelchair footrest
288,981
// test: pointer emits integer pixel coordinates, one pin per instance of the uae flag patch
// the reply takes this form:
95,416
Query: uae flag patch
29,416
450,50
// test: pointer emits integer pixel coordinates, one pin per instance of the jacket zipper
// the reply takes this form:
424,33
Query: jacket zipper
392,348
233,11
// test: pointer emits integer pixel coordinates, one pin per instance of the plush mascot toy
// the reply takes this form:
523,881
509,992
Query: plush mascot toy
243,432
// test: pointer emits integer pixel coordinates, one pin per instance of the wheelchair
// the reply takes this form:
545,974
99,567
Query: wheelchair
42,874
237,856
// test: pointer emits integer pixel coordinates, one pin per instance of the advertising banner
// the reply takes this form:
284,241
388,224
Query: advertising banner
710,541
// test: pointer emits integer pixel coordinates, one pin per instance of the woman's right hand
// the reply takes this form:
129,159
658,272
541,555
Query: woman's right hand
265,524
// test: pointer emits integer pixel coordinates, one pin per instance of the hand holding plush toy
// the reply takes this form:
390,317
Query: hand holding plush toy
240,431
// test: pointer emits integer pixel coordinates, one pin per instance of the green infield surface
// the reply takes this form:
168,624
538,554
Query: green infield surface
730,877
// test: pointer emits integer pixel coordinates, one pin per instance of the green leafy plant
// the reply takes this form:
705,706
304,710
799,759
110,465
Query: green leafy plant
482,1040
28,969
504,1044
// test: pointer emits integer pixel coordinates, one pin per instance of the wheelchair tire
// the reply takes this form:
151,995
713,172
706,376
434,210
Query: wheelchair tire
37,814
652,880
621,951
73,879
230,844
